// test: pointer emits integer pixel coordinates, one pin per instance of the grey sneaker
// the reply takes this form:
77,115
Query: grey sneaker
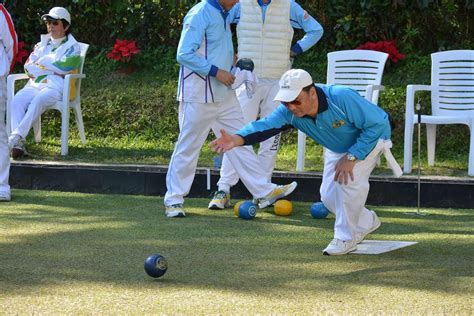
375,225
220,201
279,192
5,196
13,139
339,247
175,210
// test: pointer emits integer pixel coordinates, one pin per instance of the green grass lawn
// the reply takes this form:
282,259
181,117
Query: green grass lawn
68,253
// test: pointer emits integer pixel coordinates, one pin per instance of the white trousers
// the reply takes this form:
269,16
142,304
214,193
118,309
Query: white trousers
261,103
195,122
27,106
4,152
347,201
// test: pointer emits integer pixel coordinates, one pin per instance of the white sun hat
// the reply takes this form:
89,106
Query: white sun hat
291,84
57,13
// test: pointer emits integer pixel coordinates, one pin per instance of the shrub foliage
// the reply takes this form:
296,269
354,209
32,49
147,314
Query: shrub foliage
421,26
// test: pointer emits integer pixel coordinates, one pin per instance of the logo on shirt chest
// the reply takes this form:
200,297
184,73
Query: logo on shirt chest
338,123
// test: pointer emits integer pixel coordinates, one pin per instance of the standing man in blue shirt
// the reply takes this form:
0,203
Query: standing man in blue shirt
354,133
205,53
265,34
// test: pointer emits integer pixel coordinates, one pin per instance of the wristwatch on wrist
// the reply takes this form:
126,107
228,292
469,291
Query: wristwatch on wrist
351,157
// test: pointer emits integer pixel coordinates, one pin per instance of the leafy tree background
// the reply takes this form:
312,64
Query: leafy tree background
421,26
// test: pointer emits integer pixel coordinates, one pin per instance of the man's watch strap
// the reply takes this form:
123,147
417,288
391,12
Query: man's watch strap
351,157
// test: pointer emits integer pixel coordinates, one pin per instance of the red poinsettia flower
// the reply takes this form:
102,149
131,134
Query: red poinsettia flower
388,47
22,53
123,50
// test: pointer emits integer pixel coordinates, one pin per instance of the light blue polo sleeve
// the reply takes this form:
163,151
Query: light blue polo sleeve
192,35
300,19
366,116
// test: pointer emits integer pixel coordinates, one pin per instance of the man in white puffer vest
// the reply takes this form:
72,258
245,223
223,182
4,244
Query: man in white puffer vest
8,50
264,34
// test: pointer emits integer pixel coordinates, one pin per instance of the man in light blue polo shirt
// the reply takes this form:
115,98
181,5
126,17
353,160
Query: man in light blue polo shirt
205,53
354,133
265,34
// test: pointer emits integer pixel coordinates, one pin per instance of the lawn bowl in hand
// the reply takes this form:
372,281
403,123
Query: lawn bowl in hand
245,64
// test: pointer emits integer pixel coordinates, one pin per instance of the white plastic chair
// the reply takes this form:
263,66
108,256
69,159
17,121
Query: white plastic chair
63,106
361,70
452,102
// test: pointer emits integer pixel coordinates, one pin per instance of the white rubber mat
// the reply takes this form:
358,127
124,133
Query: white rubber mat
375,247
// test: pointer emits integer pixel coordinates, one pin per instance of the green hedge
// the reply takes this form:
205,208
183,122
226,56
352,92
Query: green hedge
421,26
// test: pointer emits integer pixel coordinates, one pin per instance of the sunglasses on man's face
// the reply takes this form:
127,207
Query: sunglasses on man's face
294,102
53,22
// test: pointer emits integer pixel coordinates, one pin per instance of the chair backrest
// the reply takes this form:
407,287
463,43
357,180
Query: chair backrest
452,81
75,85
84,47
357,69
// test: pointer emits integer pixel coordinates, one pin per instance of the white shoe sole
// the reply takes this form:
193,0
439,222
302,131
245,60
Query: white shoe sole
340,253
216,206
175,214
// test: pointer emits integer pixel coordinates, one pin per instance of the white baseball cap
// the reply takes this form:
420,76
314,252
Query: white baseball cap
291,84
57,13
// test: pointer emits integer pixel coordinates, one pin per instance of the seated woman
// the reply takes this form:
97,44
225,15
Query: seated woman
56,55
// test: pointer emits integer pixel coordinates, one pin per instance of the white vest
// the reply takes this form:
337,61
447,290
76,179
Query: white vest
267,44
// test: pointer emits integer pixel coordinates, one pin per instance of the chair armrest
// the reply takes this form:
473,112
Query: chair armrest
67,80
410,100
74,76
16,77
369,95
11,82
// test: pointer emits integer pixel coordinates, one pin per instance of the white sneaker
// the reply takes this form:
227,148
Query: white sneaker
175,210
340,247
279,192
220,201
5,196
375,224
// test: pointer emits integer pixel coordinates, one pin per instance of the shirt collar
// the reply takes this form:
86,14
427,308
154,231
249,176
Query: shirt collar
218,6
260,3
322,101
58,41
